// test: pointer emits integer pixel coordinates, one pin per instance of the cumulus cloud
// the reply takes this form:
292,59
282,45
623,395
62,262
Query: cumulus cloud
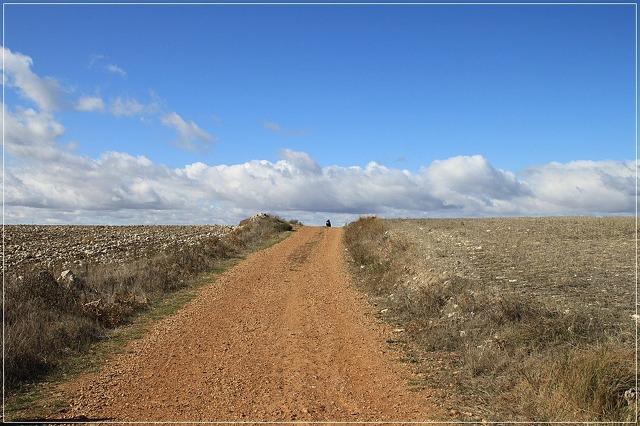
31,134
64,192
470,181
45,92
90,103
584,186
114,69
301,160
295,183
42,175
45,183
189,133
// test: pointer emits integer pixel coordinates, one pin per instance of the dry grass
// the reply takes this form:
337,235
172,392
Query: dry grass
581,384
46,320
524,351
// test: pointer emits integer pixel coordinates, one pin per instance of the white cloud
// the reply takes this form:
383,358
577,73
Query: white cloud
471,182
114,69
301,160
189,133
90,103
47,96
115,181
45,183
45,92
131,107
584,186
31,134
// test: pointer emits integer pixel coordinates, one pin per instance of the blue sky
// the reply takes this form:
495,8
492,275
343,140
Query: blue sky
403,86
521,85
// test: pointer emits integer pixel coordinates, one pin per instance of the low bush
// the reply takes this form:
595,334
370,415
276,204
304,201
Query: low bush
42,320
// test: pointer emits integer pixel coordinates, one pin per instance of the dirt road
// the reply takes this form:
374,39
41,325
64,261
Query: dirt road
281,336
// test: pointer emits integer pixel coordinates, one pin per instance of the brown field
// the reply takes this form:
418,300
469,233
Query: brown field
520,318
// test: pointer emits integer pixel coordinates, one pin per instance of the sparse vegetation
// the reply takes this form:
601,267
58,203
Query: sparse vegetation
530,318
47,319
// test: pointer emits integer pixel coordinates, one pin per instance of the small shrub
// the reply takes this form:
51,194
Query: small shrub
484,359
42,320
363,239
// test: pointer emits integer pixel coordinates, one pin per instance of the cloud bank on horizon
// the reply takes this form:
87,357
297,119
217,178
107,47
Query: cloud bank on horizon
45,181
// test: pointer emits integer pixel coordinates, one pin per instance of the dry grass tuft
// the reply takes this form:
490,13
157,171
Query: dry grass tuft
582,384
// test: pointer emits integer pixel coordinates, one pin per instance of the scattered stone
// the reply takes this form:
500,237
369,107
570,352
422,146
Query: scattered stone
69,247
630,396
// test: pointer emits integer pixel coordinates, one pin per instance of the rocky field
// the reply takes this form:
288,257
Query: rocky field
572,264
64,247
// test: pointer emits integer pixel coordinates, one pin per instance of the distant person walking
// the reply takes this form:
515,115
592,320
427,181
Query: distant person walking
328,223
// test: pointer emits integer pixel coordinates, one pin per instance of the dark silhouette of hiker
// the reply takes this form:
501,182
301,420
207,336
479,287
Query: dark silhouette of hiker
328,223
